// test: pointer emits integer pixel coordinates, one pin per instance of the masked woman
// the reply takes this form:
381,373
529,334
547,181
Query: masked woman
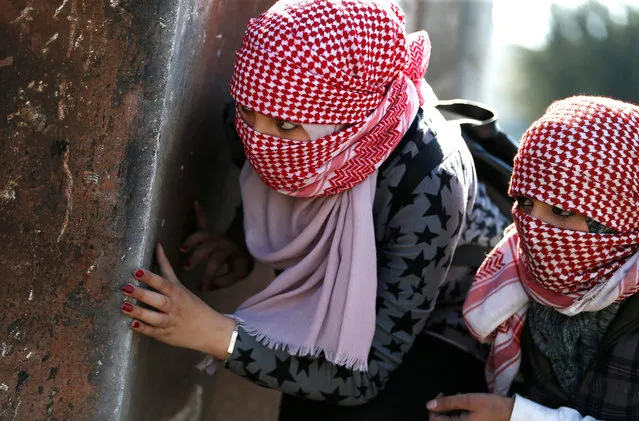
557,298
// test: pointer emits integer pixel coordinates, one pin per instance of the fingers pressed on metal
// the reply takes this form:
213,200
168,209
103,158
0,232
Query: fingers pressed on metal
150,317
151,298
145,329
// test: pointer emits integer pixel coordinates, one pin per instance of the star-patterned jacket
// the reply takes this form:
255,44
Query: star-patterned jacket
416,236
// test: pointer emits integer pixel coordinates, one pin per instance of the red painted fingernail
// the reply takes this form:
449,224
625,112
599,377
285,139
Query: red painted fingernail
128,288
184,248
187,265
135,324
139,273
127,307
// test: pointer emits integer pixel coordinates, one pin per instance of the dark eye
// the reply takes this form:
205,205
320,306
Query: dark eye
245,109
286,125
562,213
524,203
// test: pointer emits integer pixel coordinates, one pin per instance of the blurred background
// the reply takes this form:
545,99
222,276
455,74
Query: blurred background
520,55
546,50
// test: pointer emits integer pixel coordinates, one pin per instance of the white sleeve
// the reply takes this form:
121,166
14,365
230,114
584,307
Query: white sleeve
527,410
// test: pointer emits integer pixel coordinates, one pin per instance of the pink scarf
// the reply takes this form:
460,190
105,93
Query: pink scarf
581,156
308,205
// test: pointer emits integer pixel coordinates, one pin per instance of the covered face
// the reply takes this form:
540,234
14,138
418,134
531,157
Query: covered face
581,156
328,62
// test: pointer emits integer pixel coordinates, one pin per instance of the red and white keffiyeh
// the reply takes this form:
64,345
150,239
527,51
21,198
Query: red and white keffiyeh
308,205
329,62
582,156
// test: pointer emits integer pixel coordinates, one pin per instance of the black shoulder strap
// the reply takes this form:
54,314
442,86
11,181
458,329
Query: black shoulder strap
472,255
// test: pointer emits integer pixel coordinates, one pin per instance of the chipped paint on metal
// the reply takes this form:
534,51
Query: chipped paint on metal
59,9
8,192
68,192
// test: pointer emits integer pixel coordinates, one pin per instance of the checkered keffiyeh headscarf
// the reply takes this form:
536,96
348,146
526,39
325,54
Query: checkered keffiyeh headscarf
346,62
582,156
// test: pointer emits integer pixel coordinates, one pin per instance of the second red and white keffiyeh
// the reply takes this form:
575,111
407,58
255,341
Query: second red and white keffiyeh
581,156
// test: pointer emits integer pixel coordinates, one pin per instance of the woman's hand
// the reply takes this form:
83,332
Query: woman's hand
218,252
178,316
476,407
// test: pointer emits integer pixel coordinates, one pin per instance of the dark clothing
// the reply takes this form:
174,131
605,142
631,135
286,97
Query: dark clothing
407,390
570,343
609,390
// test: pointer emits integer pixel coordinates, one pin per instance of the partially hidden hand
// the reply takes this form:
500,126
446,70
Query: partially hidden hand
226,263
471,407
178,316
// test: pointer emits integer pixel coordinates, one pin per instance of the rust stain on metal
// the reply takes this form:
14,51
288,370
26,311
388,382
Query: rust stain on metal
69,71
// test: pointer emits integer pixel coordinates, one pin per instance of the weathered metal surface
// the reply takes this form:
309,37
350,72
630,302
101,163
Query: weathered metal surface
109,128
103,106
72,96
